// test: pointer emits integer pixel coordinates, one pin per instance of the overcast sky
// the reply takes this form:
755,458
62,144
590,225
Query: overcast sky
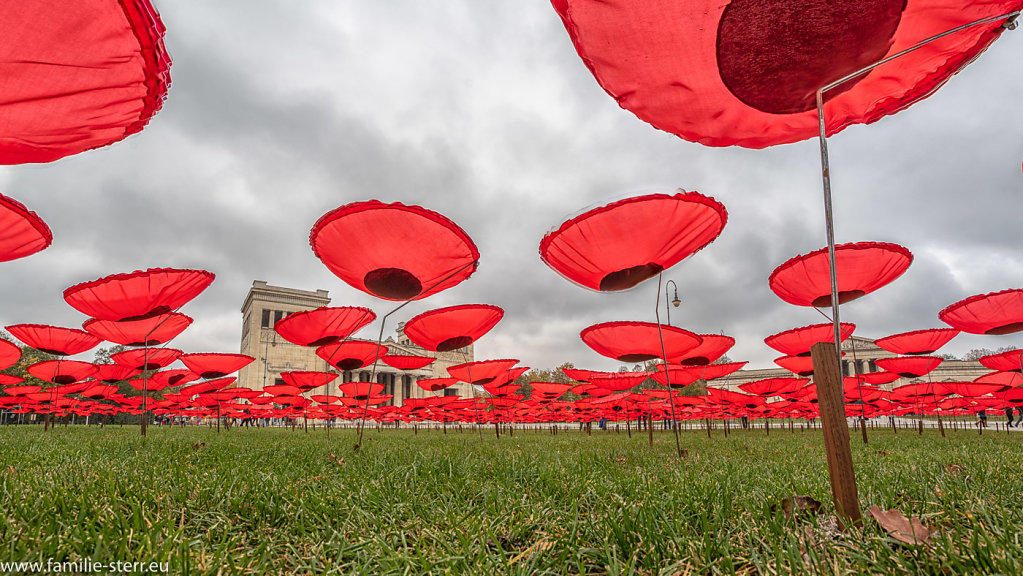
482,111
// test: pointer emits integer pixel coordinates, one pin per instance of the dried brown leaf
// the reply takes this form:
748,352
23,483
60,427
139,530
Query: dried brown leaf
339,460
198,446
798,506
906,530
955,469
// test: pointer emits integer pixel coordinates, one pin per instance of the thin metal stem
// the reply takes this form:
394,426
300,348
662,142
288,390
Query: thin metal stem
664,356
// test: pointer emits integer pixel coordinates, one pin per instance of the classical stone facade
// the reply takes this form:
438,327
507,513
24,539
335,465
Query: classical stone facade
265,305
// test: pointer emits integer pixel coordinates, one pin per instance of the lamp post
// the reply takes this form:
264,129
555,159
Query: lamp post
674,301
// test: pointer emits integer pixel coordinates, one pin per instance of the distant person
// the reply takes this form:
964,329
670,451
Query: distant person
1020,419
982,418
1008,414
745,422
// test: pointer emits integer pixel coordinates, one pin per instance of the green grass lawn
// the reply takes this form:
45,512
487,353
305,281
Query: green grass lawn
254,501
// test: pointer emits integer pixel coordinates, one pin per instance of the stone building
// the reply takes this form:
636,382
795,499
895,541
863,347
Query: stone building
265,305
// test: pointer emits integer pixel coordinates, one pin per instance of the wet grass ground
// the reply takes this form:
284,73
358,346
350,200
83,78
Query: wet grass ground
255,501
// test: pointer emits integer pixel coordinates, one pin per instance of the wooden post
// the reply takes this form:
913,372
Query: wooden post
831,403
863,429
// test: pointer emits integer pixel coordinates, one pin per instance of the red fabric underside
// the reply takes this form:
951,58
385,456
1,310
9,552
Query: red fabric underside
798,341
633,342
445,327
393,251
22,232
149,331
215,365
744,72
323,325
77,75
9,354
53,339
862,268
912,365
143,357
137,295
407,362
994,313
917,342
308,379
619,245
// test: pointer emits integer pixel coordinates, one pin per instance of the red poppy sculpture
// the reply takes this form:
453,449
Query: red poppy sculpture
910,366
62,371
617,246
481,372
113,76
639,341
137,295
393,251
862,267
918,341
9,354
307,380
54,339
994,313
151,331
798,341
746,72
211,365
1008,361
407,361
451,328
351,354
22,232
146,359
323,325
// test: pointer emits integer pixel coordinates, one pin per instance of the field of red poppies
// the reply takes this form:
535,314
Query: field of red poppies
253,501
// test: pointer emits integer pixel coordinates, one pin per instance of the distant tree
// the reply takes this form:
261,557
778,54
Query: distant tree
102,355
977,353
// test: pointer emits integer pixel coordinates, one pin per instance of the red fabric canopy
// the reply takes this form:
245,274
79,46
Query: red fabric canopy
407,362
62,371
482,372
435,384
323,325
171,378
146,332
308,380
22,232
54,340
137,295
745,72
554,389
146,358
799,365
451,328
994,313
798,341
77,75
879,377
9,379
111,373
361,390
393,251
617,246
9,354
774,386
351,354
215,365
1009,361
917,342
713,347
862,268
639,341
909,366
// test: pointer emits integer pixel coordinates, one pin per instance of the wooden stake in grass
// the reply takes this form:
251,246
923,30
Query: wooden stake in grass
831,402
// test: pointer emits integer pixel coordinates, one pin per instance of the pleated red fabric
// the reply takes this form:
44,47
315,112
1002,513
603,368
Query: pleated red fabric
713,347
323,325
62,371
111,373
146,358
639,341
774,386
1008,361
77,75
152,331
137,295
994,313
212,365
53,339
307,380
746,72
918,341
481,372
407,362
393,251
22,232
451,328
351,354
862,268
435,384
798,341
9,354
910,366
617,246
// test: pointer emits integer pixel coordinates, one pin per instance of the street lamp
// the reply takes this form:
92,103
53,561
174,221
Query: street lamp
676,301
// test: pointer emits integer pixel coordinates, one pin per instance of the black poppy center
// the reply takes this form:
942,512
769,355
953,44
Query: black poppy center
158,311
629,277
325,340
637,357
63,379
393,283
454,343
212,374
1006,329
350,364
843,297
773,55
695,361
